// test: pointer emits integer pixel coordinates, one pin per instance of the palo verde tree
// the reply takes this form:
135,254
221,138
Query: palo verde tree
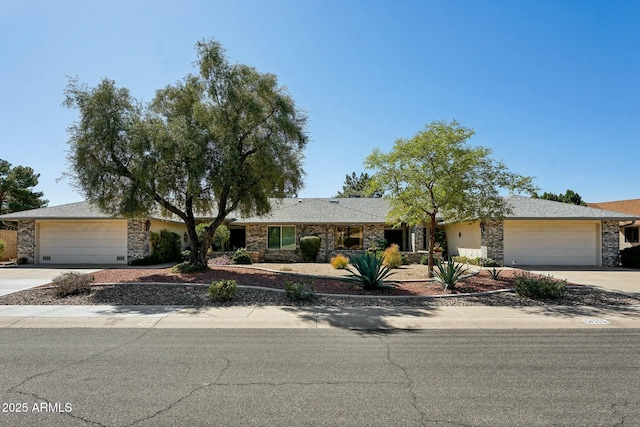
16,189
358,186
437,174
226,139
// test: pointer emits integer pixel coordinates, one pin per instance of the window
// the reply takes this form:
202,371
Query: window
631,234
282,237
349,237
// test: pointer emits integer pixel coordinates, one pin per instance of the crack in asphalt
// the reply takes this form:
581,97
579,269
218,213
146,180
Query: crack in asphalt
186,396
409,381
15,388
616,412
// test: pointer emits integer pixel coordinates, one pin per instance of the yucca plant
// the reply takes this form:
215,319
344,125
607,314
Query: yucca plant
449,274
370,272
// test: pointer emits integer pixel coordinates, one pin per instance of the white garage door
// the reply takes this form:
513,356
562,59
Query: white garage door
551,242
82,242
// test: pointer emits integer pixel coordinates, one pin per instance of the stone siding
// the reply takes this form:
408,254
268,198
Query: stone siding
256,241
610,243
27,241
138,245
10,239
492,237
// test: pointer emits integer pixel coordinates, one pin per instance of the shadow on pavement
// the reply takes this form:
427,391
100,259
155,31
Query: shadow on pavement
365,320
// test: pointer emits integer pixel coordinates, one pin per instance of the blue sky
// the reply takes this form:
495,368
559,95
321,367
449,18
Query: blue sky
552,87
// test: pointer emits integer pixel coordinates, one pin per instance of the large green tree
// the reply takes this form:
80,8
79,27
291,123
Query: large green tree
358,186
569,196
228,138
437,173
16,189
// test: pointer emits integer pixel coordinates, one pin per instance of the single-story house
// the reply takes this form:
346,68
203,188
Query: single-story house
536,232
629,230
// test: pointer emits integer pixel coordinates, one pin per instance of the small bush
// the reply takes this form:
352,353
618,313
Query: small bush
187,267
392,257
166,245
495,273
449,274
299,291
2,245
630,257
150,260
310,247
185,255
539,287
223,290
339,262
241,256
72,283
23,260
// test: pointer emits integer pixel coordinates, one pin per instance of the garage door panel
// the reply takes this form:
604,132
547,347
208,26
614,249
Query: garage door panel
549,243
82,242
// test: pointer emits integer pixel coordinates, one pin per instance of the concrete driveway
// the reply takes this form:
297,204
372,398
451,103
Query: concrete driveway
18,278
611,278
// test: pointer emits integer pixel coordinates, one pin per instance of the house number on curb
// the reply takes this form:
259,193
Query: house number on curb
596,321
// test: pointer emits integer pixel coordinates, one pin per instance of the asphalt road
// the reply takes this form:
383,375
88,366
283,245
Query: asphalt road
156,377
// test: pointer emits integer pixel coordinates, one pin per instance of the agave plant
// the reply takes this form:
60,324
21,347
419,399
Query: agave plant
449,274
370,272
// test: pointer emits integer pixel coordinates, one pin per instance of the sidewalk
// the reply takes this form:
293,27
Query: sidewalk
472,317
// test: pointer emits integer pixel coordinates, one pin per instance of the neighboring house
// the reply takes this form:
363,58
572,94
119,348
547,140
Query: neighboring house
629,231
537,232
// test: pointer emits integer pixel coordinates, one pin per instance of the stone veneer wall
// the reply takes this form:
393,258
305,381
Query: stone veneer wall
256,241
137,239
27,240
492,236
610,243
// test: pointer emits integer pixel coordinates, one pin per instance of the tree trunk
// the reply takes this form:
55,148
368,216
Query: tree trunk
432,241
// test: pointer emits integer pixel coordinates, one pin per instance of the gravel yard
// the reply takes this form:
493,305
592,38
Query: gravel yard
144,286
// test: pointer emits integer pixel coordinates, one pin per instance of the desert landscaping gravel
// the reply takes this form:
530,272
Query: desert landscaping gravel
144,286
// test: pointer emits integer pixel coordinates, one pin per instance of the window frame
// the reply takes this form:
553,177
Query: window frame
635,234
348,236
289,247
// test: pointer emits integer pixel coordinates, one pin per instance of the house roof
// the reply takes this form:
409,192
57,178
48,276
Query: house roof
324,211
78,210
631,206
530,208
341,211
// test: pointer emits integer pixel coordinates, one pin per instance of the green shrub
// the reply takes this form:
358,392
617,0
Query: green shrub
223,290
2,246
449,274
462,259
487,262
23,260
370,272
495,273
630,257
187,267
72,283
185,255
339,262
166,245
220,237
539,287
149,260
310,247
299,291
241,256
392,257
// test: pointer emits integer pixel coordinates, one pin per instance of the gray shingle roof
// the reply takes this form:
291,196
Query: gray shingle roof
340,211
78,210
528,208
324,211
